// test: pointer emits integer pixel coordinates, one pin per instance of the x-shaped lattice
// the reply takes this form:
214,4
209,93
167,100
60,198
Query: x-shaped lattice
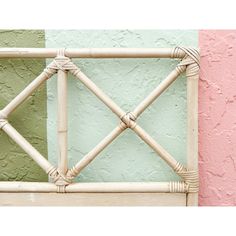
190,64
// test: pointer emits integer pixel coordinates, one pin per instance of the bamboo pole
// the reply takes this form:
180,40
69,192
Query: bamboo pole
119,187
32,187
156,93
62,120
192,131
155,146
20,98
27,147
95,151
91,53
108,187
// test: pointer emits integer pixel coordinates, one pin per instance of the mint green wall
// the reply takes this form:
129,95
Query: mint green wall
128,82
29,118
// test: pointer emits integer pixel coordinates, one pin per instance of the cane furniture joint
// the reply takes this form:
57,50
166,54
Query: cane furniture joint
185,192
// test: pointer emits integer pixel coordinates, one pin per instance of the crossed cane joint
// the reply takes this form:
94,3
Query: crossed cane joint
62,178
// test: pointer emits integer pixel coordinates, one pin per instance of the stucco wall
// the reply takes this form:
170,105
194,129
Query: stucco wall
127,82
29,118
217,118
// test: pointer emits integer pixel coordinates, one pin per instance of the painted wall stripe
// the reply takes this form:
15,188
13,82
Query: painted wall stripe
30,118
217,117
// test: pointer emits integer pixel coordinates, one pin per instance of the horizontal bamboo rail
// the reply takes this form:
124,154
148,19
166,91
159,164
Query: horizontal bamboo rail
91,53
108,187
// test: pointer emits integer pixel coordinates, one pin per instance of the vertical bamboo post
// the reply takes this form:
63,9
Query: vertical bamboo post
192,131
62,120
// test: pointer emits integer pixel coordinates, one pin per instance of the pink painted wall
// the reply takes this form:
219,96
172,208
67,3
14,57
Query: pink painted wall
217,118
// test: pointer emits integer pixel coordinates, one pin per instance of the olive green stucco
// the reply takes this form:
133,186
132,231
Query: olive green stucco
29,118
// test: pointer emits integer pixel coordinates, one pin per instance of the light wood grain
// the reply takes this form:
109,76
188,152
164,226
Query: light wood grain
93,199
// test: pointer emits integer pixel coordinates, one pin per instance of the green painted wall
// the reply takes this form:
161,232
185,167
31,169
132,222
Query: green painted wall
127,81
29,118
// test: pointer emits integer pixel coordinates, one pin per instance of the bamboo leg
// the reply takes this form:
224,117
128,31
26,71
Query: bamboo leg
62,121
192,131
20,98
27,147
95,151
156,92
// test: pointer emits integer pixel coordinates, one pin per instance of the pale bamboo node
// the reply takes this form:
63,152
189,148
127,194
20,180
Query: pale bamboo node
92,53
107,187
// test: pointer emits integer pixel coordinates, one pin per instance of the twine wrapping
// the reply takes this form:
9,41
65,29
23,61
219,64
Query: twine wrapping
189,176
58,178
3,122
190,60
128,120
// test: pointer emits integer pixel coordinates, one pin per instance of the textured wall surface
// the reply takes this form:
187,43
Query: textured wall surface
217,118
29,118
128,82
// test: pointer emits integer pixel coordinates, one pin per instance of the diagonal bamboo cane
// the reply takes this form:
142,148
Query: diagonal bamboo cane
28,148
156,147
97,91
126,120
158,91
27,91
73,172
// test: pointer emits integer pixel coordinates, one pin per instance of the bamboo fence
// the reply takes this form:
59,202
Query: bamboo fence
62,176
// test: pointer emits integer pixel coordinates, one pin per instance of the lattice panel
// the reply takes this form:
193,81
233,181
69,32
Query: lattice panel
62,176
